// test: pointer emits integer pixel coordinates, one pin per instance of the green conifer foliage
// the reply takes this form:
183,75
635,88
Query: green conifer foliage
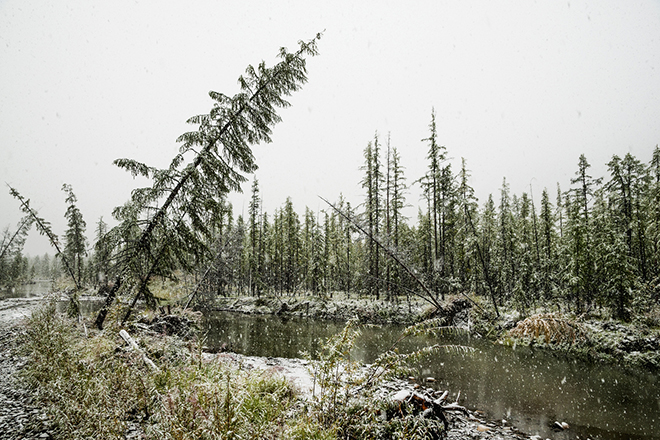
75,247
166,226
11,246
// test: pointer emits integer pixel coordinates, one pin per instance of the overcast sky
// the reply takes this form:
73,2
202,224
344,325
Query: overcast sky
520,90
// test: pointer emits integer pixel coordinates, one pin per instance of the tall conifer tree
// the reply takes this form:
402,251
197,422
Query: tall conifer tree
164,226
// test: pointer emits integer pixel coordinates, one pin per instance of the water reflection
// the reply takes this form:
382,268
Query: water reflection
37,288
41,288
529,388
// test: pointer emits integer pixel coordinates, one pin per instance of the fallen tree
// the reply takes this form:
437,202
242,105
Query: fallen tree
427,294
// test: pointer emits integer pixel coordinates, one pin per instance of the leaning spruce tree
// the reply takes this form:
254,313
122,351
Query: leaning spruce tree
43,226
165,226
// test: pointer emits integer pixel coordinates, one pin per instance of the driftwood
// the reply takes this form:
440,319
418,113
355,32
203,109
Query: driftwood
430,408
133,345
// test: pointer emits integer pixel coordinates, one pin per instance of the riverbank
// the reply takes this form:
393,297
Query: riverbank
342,308
149,329
593,338
463,422
26,415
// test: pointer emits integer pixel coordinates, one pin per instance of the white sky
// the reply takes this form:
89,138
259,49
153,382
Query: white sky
520,88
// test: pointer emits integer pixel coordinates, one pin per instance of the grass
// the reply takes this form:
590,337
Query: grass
551,328
94,387
215,401
87,388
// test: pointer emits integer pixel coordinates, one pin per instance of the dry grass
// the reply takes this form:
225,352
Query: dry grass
95,388
550,327
92,387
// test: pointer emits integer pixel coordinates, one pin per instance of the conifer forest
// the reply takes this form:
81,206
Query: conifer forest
594,243
561,269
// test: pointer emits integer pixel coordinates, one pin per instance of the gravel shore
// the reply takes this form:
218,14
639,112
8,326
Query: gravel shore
19,417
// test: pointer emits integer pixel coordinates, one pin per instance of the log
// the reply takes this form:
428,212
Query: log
440,400
428,406
133,345
455,407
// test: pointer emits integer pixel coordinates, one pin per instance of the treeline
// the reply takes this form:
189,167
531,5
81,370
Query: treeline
21,269
73,259
597,243
594,244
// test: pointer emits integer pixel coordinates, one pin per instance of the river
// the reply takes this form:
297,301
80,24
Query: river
529,388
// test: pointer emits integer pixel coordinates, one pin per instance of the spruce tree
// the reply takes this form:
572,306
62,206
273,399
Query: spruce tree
581,229
653,203
254,210
372,182
505,250
75,247
102,253
291,245
627,187
11,246
613,276
396,201
466,238
439,189
165,227
44,228
547,245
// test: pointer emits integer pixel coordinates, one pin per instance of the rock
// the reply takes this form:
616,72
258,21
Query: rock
401,395
430,379
482,428
561,426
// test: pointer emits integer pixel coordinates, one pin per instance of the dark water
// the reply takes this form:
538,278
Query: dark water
529,388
